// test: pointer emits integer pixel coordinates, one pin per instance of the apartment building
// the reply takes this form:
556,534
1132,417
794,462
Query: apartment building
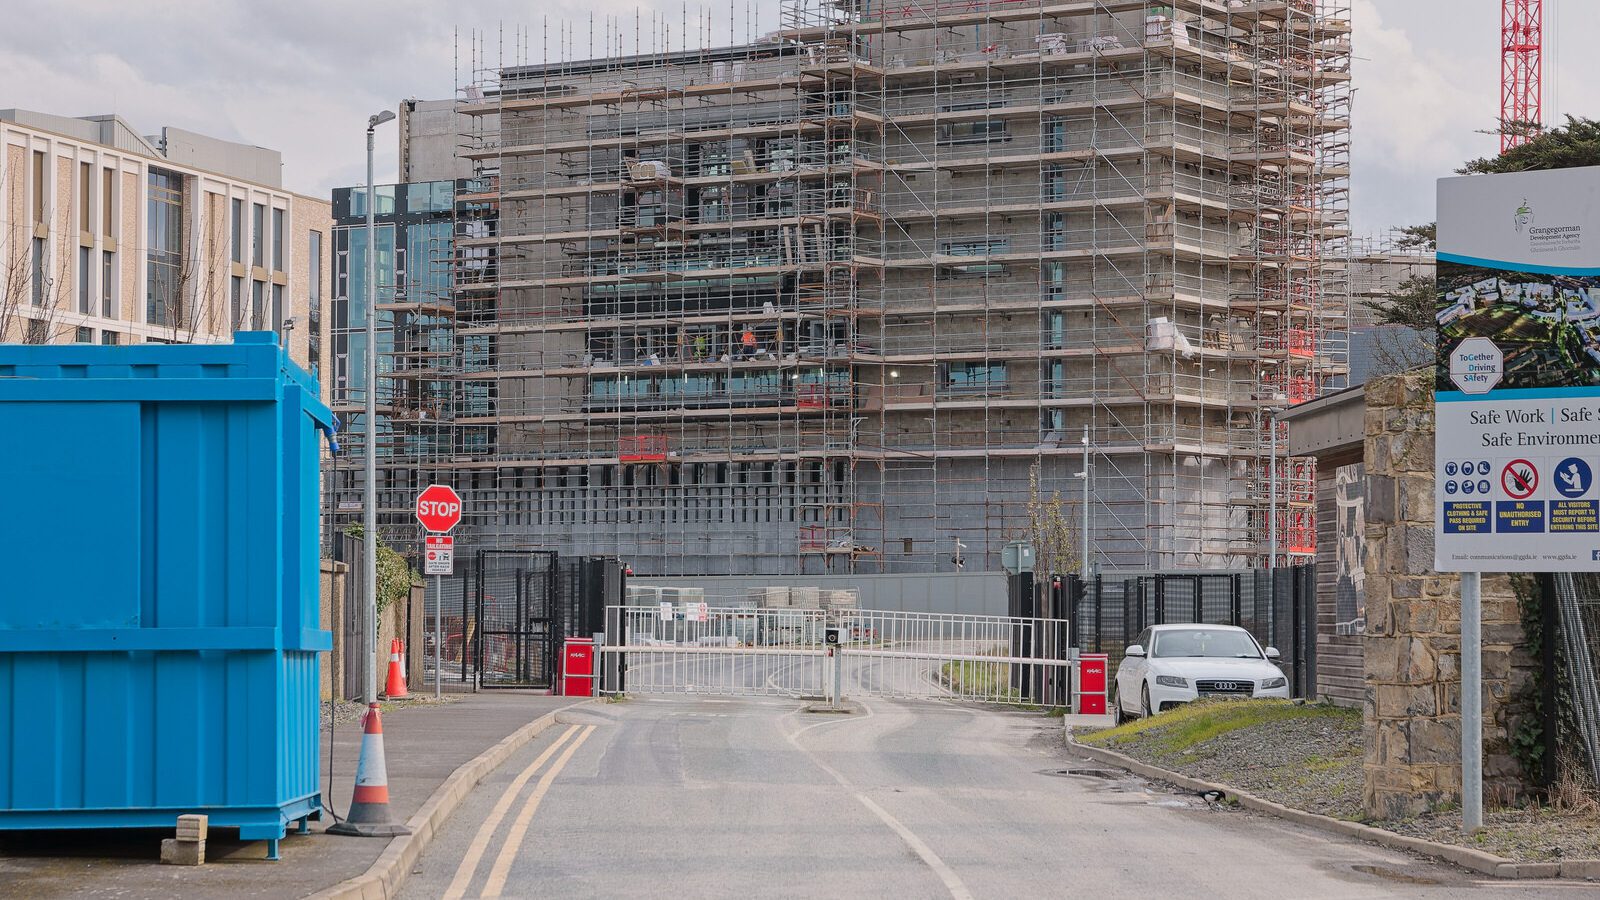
110,237
869,294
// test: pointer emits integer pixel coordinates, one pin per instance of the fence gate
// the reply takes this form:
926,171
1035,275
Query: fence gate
515,629
695,649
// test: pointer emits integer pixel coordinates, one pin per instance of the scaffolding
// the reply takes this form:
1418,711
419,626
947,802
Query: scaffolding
833,298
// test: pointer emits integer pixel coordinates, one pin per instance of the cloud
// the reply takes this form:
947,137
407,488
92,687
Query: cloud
301,76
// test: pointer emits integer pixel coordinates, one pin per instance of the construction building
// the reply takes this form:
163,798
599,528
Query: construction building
1380,267
850,297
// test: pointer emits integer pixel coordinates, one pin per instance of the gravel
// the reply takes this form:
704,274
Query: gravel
1311,763
347,711
1534,833
1314,764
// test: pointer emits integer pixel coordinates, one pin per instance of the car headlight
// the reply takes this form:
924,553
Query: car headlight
1172,681
1271,683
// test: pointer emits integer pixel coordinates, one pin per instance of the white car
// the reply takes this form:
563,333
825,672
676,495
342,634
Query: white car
1172,664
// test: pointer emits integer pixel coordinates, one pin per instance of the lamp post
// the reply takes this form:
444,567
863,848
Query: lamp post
369,488
1083,567
1272,491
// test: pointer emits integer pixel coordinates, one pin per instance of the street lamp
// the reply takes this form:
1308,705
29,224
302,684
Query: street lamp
1083,565
369,665
1272,491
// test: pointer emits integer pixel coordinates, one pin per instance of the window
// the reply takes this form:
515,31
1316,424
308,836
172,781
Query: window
258,234
38,187
236,305
85,190
1055,184
38,272
164,225
277,240
1055,331
108,284
108,203
85,335
257,290
973,377
314,298
237,224
278,311
979,247
986,131
1055,232
110,338
1054,136
85,280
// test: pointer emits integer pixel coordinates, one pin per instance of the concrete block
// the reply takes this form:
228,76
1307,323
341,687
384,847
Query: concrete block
1580,868
770,597
805,597
183,853
192,828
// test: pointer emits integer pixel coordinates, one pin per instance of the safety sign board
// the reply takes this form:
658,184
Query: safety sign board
1517,380
438,555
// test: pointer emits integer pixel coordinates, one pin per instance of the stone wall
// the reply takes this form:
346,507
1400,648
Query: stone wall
1412,644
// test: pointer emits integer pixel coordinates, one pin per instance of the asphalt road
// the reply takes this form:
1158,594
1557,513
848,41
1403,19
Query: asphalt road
701,797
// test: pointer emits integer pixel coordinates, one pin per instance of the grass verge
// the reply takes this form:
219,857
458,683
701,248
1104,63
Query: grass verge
1180,730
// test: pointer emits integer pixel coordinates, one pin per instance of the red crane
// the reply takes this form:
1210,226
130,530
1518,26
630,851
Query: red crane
1521,87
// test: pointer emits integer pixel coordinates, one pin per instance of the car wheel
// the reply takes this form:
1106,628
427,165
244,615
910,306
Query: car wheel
1144,701
1117,715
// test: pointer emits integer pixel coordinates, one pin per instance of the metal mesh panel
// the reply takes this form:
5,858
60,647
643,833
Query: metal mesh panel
1578,598
1278,607
455,594
516,634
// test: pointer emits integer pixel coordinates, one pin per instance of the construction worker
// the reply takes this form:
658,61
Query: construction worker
747,343
700,345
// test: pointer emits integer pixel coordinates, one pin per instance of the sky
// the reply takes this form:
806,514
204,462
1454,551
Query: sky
301,76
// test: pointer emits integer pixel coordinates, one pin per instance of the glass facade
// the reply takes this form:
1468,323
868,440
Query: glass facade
413,256
164,240
314,307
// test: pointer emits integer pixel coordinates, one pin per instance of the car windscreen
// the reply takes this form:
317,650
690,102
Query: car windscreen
1204,642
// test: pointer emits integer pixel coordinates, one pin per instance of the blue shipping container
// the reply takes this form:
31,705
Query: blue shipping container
159,623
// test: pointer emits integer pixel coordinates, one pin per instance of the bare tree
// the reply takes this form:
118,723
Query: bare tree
30,301
199,298
1052,531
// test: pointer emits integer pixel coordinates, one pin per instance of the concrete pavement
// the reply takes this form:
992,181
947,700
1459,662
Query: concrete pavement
423,743
695,797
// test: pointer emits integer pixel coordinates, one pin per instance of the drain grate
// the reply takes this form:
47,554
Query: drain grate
1085,773
1395,875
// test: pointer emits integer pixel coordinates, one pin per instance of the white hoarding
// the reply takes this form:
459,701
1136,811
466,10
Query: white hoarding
1518,376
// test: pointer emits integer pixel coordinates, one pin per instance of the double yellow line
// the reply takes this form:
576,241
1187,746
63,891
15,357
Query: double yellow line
519,827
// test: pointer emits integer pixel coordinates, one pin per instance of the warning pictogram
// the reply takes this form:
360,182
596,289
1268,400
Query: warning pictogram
1519,479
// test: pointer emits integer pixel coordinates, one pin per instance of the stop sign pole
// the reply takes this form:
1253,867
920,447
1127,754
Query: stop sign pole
439,512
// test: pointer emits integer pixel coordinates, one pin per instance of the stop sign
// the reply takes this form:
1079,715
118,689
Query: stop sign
439,508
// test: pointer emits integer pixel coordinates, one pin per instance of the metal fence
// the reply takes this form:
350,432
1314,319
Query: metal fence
1277,606
1578,602
504,615
696,648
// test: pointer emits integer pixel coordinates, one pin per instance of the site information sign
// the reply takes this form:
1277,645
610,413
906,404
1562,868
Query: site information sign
1518,375
439,555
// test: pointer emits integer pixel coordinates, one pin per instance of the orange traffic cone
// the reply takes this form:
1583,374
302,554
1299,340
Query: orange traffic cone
369,805
395,687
